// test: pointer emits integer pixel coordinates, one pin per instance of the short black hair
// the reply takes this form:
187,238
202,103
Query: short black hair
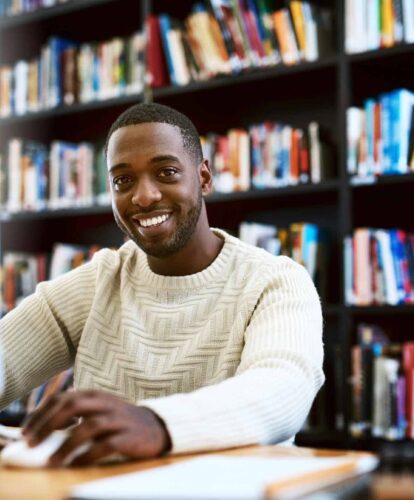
159,113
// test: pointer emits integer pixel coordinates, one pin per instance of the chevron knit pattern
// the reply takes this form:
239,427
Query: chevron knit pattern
228,356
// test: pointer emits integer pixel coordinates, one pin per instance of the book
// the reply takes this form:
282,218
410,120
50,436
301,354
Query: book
240,477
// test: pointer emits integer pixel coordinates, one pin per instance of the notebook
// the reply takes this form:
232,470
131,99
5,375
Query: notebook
218,477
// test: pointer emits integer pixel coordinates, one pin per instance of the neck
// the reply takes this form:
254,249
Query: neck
197,255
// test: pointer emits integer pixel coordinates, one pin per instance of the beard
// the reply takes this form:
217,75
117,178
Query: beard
186,226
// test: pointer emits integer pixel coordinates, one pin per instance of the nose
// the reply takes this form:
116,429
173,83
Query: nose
146,193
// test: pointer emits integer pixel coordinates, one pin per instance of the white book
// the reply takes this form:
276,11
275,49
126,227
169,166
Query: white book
21,87
182,74
355,26
391,290
408,16
315,152
14,202
311,33
373,30
354,122
380,395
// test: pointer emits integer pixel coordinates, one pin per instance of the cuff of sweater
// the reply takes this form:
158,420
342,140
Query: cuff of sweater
188,431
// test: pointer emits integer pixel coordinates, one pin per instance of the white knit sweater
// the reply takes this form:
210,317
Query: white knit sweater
228,356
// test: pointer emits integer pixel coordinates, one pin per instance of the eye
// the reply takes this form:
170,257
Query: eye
168,172
121,181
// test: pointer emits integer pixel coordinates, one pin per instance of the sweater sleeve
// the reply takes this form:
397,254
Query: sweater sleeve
276,382
39,337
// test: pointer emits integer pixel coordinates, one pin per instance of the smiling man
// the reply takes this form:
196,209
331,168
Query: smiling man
185,338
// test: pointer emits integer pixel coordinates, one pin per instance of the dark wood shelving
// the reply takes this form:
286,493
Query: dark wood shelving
397,50
170,91
72,110
381,310
327,186
43,13
381,180
249,75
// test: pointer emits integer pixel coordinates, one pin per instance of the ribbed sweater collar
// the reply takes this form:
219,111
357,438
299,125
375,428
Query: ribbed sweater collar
217,270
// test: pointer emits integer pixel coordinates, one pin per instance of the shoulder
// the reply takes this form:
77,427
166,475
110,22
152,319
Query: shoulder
112,258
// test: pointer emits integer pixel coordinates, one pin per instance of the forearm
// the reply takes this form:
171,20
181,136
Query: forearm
262,405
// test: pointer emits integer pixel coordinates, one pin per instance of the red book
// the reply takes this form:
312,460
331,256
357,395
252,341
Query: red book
156,64
408,362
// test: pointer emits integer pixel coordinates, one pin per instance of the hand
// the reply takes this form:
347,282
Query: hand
108,423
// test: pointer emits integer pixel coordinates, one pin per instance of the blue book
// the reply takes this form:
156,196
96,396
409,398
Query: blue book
57,47
369,105
385,101
165,27
397,257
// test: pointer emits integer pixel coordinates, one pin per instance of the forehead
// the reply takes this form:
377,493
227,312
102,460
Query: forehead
146,140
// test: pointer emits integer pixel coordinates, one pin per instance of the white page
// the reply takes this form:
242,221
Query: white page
210,477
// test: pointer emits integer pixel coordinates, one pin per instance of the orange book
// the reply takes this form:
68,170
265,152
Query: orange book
218,37
285,36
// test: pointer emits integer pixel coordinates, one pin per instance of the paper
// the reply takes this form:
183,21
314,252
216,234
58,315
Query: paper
213,477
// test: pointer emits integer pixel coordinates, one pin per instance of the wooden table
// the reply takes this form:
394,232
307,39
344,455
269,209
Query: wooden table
55,484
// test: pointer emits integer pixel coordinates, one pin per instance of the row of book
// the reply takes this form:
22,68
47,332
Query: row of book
269,154
22,271
382,389
35,177
379,267
16,7
67,72
380,135
374,24
64,175
306,243
228,36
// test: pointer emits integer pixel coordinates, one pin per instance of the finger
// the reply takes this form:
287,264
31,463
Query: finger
88,430
99,449
71,405
39,421
38,414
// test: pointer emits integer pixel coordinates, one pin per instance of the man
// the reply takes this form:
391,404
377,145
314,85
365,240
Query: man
185,338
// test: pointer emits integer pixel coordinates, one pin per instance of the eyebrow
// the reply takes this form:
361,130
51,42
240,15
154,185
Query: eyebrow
154,160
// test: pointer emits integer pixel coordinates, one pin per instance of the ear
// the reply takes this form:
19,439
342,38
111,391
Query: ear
206,177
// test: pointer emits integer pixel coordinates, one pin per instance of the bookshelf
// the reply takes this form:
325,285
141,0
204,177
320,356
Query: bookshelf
322,90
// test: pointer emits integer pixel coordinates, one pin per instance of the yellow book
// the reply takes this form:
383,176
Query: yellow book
387,25
299,24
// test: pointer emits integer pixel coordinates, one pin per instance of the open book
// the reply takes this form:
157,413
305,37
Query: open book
229,477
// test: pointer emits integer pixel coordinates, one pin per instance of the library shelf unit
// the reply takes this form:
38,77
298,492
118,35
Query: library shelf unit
320,91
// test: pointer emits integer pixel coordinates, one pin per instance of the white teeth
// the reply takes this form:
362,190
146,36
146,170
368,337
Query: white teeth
154,220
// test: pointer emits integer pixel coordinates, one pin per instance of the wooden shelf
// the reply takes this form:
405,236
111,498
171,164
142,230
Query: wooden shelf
43,13
381,310
401,49
380,180
71,110
328,186
250,75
